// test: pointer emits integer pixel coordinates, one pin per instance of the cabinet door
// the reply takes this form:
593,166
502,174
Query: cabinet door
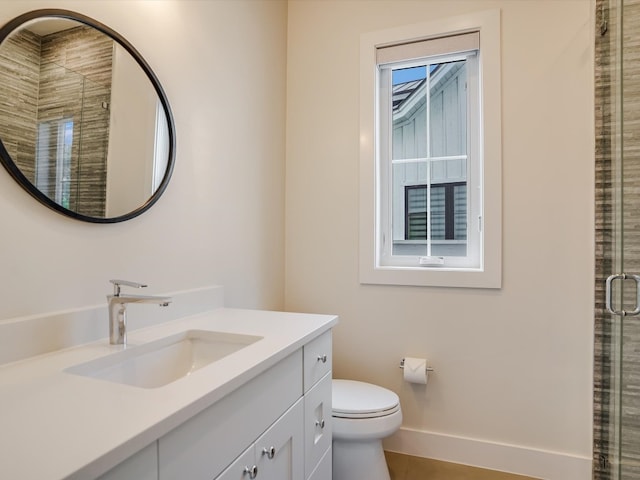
324,469
276,455
280,450
317,423
140,466
243,468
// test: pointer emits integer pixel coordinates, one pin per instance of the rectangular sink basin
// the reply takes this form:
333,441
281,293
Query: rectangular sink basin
163,361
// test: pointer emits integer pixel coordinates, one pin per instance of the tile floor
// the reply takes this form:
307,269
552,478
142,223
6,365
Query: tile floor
405,467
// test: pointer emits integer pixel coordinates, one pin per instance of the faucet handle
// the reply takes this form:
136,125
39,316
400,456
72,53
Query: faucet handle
118,283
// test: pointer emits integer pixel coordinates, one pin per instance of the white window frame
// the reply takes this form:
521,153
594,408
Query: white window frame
385,167
375,267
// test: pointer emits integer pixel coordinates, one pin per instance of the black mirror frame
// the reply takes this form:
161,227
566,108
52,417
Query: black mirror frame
24,182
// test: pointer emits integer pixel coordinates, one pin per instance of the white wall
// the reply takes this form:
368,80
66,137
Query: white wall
132,136
514,365
220,221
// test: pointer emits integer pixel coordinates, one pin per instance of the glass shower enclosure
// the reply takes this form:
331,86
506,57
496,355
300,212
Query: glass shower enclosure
72,135
617,289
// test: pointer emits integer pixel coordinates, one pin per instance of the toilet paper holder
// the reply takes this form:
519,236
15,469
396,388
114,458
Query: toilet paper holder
428,369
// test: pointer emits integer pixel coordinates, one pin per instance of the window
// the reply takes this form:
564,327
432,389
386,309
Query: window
425,109
430,154
53,160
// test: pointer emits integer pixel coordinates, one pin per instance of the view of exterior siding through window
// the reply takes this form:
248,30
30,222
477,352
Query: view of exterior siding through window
429,159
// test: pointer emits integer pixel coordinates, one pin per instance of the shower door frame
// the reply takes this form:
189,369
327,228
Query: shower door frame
616,218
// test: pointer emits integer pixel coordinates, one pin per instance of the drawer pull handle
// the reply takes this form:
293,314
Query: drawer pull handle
269,452
320,423
252,471
322,358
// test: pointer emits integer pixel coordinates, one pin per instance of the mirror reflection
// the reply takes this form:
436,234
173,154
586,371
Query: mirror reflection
81,119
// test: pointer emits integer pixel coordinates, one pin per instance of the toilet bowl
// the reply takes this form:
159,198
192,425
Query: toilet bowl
363,414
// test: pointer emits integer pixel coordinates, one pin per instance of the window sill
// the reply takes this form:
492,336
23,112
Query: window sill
436,276
433,242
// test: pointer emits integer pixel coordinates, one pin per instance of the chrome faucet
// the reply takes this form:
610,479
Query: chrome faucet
118,309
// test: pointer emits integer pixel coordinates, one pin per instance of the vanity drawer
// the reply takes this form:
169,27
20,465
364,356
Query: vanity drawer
202,447
317,359
317,423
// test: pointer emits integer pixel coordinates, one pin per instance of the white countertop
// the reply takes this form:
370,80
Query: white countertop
56,425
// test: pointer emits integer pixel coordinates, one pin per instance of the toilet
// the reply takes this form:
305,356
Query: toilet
363,414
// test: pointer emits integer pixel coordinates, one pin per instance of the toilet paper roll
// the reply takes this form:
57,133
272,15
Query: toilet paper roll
415,370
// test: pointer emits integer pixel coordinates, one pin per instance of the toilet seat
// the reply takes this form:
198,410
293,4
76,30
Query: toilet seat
360,400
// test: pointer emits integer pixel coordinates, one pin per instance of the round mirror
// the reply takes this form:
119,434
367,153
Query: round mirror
85,126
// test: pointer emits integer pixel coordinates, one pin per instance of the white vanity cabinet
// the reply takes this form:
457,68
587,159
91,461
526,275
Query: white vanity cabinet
203,446
283,413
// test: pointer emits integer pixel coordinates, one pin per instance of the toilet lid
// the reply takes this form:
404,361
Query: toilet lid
352,399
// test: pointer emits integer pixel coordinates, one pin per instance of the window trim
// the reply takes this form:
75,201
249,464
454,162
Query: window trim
489,274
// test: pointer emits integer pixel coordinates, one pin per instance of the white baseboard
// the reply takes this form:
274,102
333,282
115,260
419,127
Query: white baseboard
515,459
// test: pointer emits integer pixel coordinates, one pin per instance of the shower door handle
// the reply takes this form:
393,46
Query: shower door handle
609,294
